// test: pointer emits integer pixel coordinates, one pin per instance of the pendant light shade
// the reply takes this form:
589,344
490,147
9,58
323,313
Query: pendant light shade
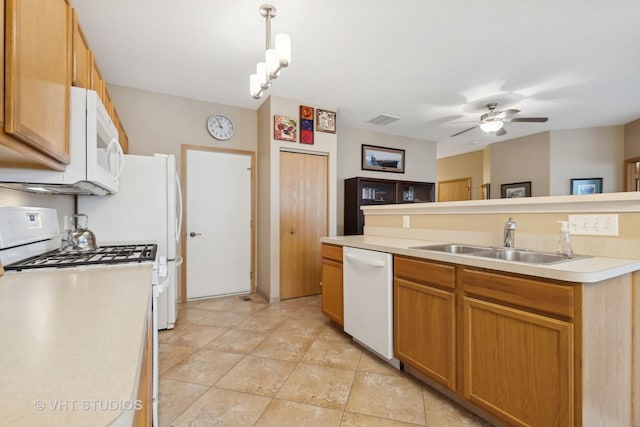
283,49
276,58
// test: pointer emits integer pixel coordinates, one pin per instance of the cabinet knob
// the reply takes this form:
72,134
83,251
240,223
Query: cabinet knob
194,234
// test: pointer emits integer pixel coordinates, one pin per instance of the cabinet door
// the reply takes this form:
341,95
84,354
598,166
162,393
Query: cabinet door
38,74
518,365
97,83
81,56
332,296
424,323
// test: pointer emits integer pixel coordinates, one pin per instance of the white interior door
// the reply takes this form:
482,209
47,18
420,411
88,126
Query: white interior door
218,223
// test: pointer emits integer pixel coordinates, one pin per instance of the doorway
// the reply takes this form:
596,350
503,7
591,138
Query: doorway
303,221
454,189
219,215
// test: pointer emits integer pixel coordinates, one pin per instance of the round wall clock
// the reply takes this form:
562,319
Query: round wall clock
220,127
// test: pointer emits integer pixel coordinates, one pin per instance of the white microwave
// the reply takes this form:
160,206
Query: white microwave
97,159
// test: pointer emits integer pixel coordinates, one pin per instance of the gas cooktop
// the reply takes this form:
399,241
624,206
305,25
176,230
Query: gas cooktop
109,254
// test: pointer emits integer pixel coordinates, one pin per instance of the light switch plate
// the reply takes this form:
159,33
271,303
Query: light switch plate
594,225
405,221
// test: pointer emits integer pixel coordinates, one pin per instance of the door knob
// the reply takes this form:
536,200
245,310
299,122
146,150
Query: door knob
194,234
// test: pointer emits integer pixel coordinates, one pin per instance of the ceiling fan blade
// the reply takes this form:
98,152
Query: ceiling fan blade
507,113
501,132
527,119
468,121
461,132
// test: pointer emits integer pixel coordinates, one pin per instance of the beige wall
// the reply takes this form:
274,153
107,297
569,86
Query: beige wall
159,123
269,186
536,231
587,153
464,166
420,160
521,160
632,140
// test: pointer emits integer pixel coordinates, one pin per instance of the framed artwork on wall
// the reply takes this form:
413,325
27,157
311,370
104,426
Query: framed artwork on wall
515,190
325,121
382,159
586,185
285,128
485,191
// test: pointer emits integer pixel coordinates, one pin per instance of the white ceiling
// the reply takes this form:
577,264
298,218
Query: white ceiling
428,62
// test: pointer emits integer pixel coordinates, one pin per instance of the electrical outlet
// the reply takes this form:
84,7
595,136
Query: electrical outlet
594,225
405,221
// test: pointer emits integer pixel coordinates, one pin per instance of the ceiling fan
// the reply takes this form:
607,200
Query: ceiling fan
493,121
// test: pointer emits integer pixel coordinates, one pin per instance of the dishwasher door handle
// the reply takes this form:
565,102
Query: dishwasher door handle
369,262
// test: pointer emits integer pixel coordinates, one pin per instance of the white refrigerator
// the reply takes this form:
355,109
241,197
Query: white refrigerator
147,208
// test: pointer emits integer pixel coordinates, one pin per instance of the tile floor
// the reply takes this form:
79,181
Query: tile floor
236,362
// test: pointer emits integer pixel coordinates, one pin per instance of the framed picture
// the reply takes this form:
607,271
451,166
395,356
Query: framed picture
325,121
306,112
517,189
285,128
485,191
586,185
382,159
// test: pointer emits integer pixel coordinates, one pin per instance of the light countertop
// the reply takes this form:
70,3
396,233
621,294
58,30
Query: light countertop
71,344
585,270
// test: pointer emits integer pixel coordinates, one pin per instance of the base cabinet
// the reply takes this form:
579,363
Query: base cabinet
518,365
424,318
332,288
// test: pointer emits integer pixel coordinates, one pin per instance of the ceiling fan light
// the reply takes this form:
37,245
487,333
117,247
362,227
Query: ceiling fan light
491,126
283,49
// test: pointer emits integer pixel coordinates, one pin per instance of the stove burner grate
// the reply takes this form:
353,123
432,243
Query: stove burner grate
110,254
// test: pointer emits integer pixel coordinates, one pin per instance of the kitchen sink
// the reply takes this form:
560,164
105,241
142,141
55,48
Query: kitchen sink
530,257
506,254
454,248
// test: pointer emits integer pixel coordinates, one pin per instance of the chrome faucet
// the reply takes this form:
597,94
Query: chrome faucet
509,233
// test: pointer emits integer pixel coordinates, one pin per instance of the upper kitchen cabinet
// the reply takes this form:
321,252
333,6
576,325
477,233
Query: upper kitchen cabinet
86,74
82,60
97,82
37,77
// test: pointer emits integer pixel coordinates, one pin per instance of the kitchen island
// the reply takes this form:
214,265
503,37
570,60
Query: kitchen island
520,344
76,346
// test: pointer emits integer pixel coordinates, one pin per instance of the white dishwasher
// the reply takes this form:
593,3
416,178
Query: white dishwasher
368,300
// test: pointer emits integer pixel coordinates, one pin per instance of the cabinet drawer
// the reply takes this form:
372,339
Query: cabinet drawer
543,296
422,271
332,252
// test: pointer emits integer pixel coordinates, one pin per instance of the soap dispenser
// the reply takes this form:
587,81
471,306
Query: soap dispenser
564,241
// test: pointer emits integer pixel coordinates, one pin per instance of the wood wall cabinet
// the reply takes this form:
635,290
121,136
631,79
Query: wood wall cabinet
360,191
82,59
37,76
425,318
86,74
332,288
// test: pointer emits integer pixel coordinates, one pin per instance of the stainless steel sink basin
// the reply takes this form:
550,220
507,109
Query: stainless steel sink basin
506,254
530,257
454,248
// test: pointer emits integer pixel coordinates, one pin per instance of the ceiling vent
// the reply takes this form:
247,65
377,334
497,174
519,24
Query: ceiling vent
383,120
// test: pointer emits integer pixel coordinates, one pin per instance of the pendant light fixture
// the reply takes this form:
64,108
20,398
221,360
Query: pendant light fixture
276,58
